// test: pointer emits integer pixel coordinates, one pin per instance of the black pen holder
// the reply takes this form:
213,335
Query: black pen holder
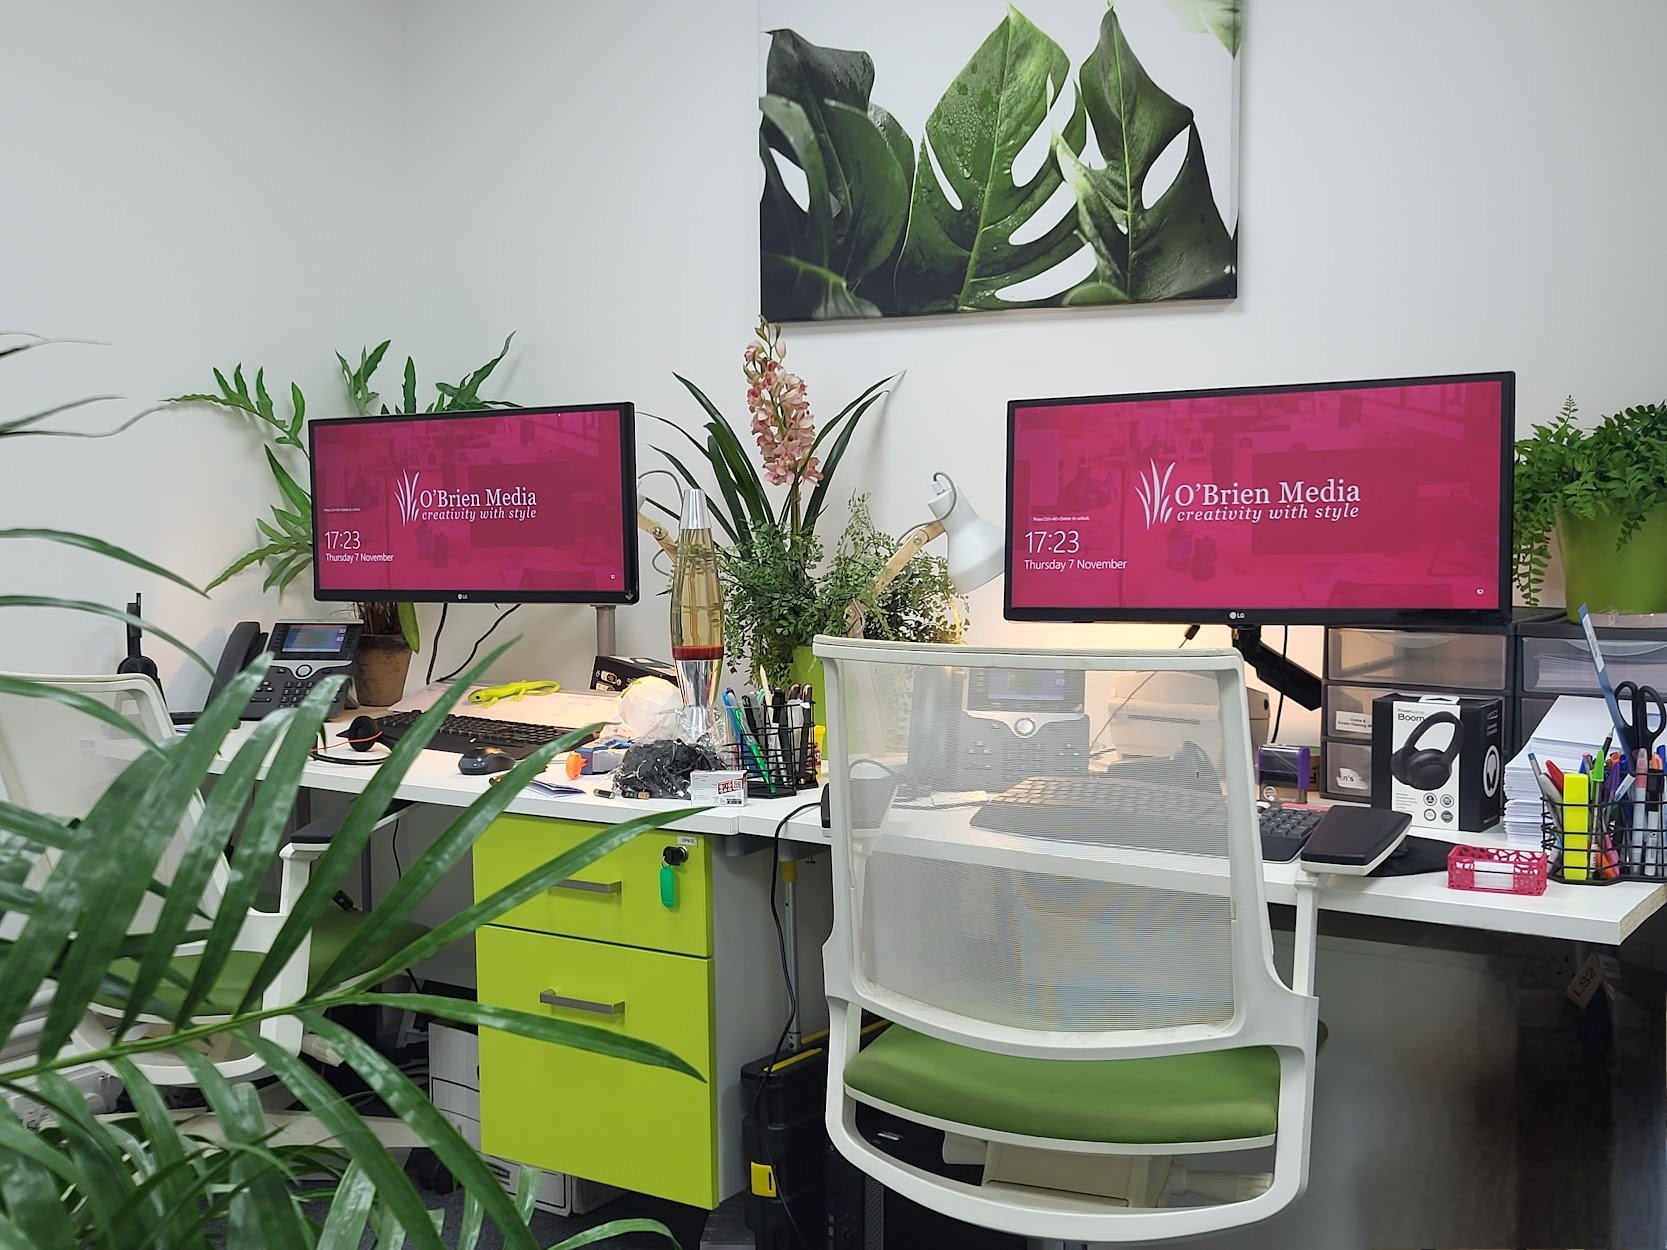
1602,843
775,770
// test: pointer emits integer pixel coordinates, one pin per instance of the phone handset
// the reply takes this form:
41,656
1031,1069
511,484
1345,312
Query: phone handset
246,641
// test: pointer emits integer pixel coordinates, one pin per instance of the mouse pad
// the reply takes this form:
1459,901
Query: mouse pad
1414,855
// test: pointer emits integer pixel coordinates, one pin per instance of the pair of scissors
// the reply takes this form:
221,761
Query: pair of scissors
1638,704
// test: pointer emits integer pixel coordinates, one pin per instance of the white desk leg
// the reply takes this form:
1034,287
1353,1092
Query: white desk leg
1307,931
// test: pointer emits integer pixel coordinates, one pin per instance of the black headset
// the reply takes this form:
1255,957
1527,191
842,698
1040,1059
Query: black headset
1426,769
136,661
362,733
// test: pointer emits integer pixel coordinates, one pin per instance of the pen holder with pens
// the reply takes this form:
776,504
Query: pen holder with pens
1598,843
778,759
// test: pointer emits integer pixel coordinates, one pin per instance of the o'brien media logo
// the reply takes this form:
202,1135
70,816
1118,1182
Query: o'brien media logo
494,503
1153,492
1163,501
406,492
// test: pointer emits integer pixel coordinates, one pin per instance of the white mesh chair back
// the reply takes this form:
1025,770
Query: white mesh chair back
59,760
1046,843
1052,855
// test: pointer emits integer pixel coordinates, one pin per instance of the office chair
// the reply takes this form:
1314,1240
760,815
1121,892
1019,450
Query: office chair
59,760
1082,996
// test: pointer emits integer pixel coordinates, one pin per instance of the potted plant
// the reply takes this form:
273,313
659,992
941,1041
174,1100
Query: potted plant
1603,493
142,1177
781,585
391,634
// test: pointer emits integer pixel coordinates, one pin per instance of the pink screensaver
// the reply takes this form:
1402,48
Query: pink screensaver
1356,498
527,502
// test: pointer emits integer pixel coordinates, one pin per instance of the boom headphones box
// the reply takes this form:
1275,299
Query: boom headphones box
1440,760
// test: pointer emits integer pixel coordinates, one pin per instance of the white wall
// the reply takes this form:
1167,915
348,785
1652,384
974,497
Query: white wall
1428,188
196,184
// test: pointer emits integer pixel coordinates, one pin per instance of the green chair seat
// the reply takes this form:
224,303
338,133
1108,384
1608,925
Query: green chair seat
1220,1095
335,928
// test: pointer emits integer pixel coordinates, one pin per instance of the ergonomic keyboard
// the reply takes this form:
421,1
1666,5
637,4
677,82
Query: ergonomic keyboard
462,734
1077,806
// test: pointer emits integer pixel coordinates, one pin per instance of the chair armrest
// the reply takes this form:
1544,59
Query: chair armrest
313,838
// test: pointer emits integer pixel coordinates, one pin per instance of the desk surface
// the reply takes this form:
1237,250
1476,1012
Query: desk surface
1606,915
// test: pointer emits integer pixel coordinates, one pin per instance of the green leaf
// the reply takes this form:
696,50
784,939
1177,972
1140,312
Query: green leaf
959,253
99,547
1222,18
345,1225
815,79
409,391
125,867
263,829
298,498
830,463
586,1037
612,1229
169,1182
393,1187
29,1194
408,1103
205,849
408,627
1176,247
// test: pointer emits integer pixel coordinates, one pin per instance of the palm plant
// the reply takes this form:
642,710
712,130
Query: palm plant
69,894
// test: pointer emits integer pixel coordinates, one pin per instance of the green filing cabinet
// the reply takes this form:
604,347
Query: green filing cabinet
603,948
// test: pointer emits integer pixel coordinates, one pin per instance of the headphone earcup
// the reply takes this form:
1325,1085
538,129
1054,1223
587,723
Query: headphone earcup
143,665
1428,770
362,733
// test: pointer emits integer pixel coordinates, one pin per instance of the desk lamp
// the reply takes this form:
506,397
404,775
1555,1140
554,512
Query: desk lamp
976,549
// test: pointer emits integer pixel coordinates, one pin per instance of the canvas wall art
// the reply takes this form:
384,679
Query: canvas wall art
978,156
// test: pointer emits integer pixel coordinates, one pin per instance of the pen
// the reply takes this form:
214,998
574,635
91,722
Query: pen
1556,775
1551,793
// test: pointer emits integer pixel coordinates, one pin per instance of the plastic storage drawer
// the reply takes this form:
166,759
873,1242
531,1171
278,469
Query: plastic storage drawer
1347,770
1399,657
1564,665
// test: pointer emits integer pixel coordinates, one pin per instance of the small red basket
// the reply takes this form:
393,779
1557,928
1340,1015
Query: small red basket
1490,870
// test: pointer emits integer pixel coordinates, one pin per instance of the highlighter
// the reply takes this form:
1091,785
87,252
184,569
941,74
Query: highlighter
1577,825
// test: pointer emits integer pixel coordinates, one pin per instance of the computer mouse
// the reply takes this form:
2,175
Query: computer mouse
480,760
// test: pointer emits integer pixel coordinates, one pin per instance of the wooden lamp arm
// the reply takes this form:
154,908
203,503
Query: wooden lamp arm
659,533
911,546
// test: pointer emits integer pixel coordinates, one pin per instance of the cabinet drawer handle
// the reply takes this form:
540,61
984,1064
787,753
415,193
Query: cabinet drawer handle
552,999
588,887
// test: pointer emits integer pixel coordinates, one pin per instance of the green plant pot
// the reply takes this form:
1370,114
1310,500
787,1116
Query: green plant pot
806,669
1606,576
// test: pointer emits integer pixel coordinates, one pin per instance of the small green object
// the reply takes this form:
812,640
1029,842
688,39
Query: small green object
668,887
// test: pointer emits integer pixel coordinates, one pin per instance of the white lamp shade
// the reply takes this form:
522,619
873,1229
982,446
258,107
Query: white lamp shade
977,550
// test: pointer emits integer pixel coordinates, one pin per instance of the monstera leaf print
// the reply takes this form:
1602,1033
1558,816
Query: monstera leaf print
959,253
857,165
1173,248
878,226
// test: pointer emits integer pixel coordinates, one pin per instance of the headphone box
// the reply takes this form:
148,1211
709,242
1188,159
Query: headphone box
1440,759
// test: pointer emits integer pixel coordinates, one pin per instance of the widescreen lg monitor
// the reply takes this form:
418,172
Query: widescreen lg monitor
1366,503
507,505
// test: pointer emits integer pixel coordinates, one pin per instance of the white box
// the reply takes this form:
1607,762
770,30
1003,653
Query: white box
454,1089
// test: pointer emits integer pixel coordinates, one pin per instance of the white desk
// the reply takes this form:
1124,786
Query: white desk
1605,915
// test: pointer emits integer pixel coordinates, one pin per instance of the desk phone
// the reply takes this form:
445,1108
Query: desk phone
304,653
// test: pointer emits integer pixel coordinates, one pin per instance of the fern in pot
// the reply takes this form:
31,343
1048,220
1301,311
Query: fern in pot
1602,494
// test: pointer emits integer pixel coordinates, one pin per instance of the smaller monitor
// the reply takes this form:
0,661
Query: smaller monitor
507,505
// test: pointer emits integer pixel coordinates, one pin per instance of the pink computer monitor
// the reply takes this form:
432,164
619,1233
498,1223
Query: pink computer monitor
1380,502
504,505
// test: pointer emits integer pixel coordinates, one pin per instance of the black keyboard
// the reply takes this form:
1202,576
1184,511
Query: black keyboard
462,734
1285,831
1076,805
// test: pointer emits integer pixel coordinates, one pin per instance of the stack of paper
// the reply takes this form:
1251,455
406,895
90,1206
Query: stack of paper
1575,726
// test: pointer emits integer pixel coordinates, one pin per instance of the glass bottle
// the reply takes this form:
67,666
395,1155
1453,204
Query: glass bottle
697,615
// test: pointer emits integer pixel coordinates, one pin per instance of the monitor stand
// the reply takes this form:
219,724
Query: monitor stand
607,639
1280,672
